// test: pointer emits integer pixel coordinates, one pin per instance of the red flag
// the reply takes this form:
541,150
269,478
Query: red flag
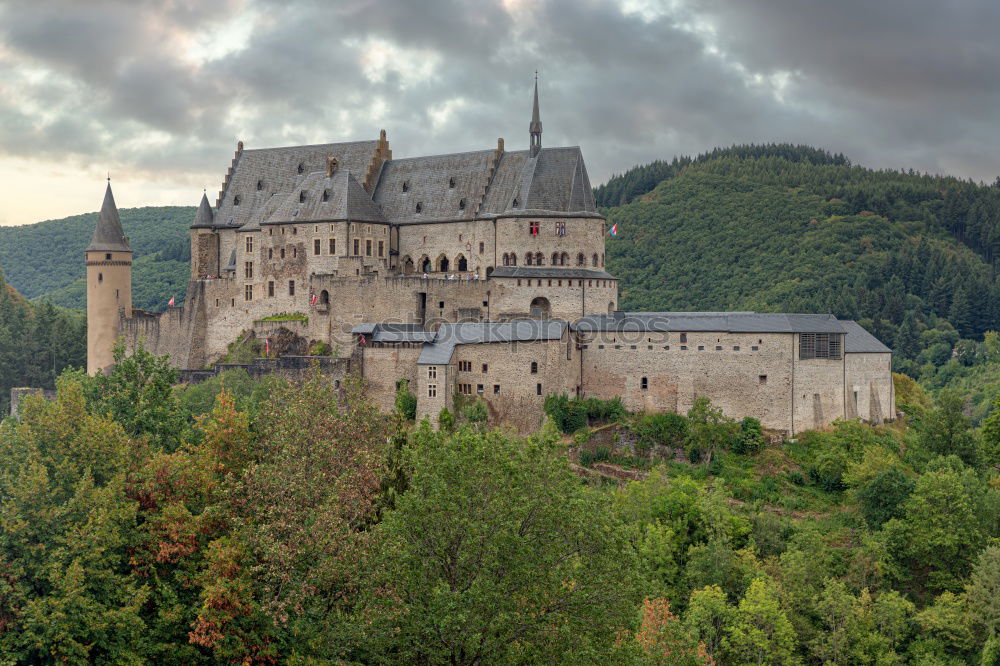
362,339
312,300
267,346
170,303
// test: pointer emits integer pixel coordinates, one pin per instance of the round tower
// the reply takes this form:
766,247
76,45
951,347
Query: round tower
109,285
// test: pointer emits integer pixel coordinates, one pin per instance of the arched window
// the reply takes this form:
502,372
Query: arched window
581,260
611,311
451,183
555,258
420,206
513,259
302,167
461,204
324,297
302,196
443,264
260,185
407,265
326,195
534,367
506,259
595,260
463,265
406,186
528,259
540,308
426,265
539,259
564,259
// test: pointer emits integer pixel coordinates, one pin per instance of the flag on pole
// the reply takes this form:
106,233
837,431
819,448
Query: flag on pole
614,229
170,303
312,299
267,346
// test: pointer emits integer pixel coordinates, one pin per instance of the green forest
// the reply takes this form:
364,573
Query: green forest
265,522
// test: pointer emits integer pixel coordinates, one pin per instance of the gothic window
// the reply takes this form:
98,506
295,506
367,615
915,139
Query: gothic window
563,259
555,258
513,259
528,259
420,206
581,260
595,259
539,259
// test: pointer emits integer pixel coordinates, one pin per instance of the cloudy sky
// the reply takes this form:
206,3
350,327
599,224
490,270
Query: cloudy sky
158,92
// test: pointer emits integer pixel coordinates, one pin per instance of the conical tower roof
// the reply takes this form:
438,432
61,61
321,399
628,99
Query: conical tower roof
205,217
108,234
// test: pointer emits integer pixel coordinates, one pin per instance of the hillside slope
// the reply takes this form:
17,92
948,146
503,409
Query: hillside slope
46,259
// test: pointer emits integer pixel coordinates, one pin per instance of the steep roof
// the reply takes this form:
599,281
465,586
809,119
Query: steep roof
319,198
108,234
449,336
860,341
439,183
555,180
204,218
722,322
259,174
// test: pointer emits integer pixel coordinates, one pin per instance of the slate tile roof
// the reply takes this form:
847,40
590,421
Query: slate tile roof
448,336
860,341
394,332
728,322
345,199
439,183
108,234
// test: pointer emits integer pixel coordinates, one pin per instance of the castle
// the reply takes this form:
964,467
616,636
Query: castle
478,273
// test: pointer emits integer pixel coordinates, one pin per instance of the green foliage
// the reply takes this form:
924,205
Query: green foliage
406,402
249,394
882,498
45,259
446,420
760,631
946,430
497,554
476,411
708,429
570,415
750,440
660,429
286,316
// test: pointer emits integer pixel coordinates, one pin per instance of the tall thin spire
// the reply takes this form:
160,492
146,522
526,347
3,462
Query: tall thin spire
535,127
108,234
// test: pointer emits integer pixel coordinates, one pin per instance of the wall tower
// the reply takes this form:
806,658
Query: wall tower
109,284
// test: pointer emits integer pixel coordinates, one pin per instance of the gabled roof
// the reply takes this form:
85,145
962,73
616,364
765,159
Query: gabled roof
449,336
860,341
278,171
555,180
722,322
108,234
439,183
394,332
319,198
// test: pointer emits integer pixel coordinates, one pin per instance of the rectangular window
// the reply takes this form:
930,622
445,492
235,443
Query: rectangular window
248,292
482,246
333,246
538,389
684,337
357,247
736,347
644,383
479,388
701,347
762,379
754,348
317,246
496,389
270,288
432,390
381,248
432,372
683,347
368,248
485,367
718,347
249,244
248,270
295,251
819,345
291,287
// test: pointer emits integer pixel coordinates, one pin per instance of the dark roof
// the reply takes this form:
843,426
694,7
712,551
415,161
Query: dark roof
277,172
108,234
204,218
428,182
549,272
554,180
449,336
730,322
345,198
394,332
860,341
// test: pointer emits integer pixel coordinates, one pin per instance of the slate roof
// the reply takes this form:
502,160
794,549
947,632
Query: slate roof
394,332
277,171
428,182
204,218
345,199
108,234
449,336
729,322
549,272
555,180
860,341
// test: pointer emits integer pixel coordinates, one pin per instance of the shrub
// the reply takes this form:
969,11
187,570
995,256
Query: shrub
446,420
750,440
663,429
475,411
882,498
406,402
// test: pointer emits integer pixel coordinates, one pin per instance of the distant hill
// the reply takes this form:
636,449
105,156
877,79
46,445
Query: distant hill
46,259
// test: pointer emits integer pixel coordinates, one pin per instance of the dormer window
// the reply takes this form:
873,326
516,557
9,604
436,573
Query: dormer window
451,183
420,206
406,186
326,195
302,167
236,200
461,204
302,196
260,185
516,203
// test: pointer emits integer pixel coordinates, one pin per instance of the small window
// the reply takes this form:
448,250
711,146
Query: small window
461,204
333,246
420,206
762,379
451,183
291,287
432,390
406,186
534,367
302,167
718,347
432,372
260,185
295,230
517,204
107,257
754,348
441,304
486,367
368,248
282,253
232,302
248,292
326,195
100,278
216,302
248,270
496,389
684,337
479,388
701,347
381,248
270,289
295,252
317,246
249,244
482,247
736,347
684,348
644,384
236,200
538,389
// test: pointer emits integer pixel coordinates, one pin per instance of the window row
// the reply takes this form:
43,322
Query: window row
569,283
248,291
535,228
557,259
668,347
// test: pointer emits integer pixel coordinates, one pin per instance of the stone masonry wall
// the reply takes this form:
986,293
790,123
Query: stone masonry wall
869,376
384,366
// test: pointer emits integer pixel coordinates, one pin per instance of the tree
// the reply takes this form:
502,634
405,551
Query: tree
708,616
760,632
496,552
907,343
406,402
989,449
946,430
664,640
882,498
983,591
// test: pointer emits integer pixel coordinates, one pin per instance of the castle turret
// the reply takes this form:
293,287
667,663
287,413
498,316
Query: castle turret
535,126
109,284
204,242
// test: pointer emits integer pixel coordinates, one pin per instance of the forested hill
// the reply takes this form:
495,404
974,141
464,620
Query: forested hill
46,259
786,228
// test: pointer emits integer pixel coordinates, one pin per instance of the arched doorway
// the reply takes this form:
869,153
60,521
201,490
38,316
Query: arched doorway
540,308
462,264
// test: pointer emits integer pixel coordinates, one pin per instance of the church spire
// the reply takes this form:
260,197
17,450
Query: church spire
535,127
108,234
